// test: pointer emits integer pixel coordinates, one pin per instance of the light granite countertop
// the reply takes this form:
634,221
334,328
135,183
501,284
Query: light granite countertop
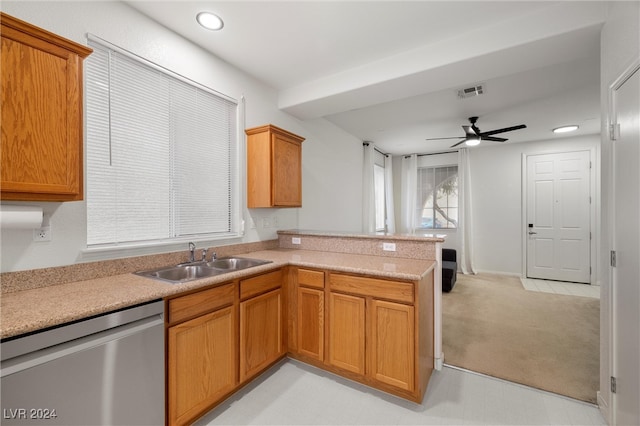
32,310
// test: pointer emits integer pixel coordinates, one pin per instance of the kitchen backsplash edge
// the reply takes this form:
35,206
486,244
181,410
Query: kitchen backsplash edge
11,282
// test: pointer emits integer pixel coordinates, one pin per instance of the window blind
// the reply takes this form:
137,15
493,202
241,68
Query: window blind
161,153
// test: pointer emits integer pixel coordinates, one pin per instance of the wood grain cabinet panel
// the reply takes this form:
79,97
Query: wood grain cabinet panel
41,110
261,333
392,344
202,364
347,332
310,316
274,167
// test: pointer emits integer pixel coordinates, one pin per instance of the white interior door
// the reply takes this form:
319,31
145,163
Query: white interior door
626,243
558,216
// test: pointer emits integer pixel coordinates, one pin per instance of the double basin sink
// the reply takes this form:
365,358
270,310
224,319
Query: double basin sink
185,272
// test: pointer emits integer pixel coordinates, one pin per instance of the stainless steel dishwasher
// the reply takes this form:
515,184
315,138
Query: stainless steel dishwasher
106,370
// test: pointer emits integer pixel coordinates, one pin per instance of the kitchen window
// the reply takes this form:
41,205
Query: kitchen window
437,197
162,154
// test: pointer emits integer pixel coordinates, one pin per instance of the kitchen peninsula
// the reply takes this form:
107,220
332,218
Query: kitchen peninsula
385,287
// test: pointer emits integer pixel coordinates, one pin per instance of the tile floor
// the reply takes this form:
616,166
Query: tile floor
560,287
292,393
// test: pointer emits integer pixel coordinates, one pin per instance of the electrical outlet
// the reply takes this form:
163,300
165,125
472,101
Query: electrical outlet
42,234
389,246
296,240
274,221
266,223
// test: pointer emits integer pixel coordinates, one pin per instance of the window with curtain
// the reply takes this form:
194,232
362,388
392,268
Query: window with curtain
161,154
437,198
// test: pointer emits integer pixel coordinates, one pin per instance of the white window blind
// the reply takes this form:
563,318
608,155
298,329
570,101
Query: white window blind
161,153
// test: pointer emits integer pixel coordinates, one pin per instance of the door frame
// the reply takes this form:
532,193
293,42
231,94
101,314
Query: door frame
609,410
594,171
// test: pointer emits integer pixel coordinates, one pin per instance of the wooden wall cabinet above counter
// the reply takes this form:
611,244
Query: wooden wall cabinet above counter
274,167
41,111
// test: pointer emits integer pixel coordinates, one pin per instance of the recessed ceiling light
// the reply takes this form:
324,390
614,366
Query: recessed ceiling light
210,21
565,129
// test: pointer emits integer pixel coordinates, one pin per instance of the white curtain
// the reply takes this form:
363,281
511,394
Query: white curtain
368,190
388,194
465,216
409,188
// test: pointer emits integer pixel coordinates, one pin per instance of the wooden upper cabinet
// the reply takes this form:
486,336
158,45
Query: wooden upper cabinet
41,110
274,167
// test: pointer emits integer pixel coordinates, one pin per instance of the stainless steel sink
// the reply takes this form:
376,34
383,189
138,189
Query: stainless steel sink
185,272
236,263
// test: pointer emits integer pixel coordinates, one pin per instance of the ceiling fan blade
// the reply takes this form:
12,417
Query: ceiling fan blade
461,142
493,139
437,139
506,129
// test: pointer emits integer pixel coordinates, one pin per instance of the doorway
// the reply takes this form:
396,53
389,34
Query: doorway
626,247
558,216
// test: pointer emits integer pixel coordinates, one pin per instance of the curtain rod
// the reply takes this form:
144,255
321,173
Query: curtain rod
375,149
433,153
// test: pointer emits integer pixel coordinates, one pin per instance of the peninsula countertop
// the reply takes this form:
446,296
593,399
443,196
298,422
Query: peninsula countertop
36,309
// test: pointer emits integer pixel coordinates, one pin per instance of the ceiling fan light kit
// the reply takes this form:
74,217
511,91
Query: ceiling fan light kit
473,135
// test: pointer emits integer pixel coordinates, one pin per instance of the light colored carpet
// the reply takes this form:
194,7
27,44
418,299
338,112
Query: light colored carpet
493,326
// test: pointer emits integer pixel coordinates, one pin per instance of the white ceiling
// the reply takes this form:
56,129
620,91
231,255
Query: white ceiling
388,72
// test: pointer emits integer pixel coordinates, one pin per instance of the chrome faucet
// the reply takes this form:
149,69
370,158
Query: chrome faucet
204,255
192,252
214,256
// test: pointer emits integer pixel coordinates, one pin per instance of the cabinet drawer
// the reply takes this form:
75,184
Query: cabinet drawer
193,305
309,278
260,284
381,289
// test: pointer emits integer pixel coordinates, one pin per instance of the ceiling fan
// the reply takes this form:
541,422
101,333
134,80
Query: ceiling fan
473,135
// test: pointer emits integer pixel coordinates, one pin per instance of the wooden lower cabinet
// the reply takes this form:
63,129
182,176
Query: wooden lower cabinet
372,330
392,344
310,324
380,332
202,364
261,333
347,332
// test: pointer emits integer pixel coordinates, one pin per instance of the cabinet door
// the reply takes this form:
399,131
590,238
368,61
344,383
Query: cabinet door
201,364
41,109
347,332
287,172
261,333
310,317
392,344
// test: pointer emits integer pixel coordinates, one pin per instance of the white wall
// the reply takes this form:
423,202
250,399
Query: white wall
496,184
125,27
620,45
332,185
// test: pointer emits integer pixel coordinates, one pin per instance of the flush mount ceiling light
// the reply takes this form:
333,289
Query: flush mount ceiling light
565,129
210,21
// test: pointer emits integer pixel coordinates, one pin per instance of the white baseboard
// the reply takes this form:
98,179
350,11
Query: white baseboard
604,407
438,363
510,274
